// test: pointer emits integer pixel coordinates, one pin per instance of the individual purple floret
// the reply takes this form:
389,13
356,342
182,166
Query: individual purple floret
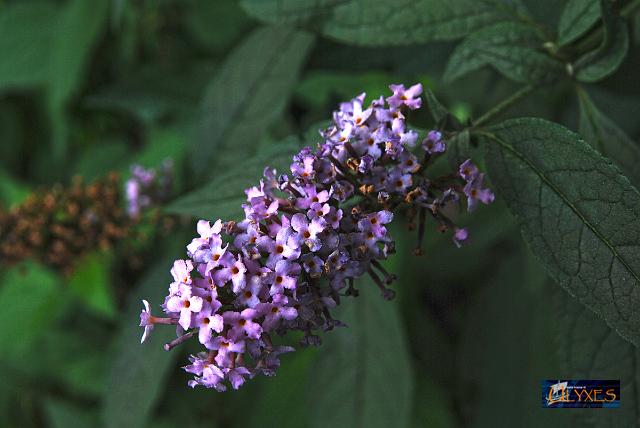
434,143
468,171
408,97
473,190
460,236
148,187
306,237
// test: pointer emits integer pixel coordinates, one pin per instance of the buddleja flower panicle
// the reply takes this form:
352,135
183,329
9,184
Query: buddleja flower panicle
306,237
59,225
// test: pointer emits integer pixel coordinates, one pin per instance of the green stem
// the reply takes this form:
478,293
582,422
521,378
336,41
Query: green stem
504,105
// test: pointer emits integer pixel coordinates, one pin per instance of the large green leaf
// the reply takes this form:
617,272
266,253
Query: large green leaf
516,322
318,89
31,298
25,33
589,349
76,33
12,192
377,23
363,375
98,159
283,399
156,91
513,49
578,214
91,282
605,60
223,196
139,372
226,17
77,360
577,17
289,11
605,136
61,414
249,92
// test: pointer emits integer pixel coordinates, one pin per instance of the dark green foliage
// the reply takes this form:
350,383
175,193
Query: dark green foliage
138,373
578,214
604,60
25,35
607,137
242,101
577,17
371,383
589,349
223,196
437,110
514,49
376,23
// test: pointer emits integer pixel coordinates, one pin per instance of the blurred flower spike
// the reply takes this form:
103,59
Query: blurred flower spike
306,237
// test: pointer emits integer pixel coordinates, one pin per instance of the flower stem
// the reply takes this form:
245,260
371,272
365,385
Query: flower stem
504,105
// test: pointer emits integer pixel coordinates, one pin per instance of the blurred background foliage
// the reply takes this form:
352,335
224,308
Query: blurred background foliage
89,87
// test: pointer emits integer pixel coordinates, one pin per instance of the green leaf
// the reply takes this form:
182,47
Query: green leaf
589,349
163,143
577,17
283,398
434,410
512,48
606,59
76,33
31,298
139,371
155,91
379,23
61,414
224,195
26,29
227,18
242,101
514,318
289,11
311,136
318,89
77,360
458,149
98,159
12,192
403,22
363,375
578,214
606,137
91,282
435,107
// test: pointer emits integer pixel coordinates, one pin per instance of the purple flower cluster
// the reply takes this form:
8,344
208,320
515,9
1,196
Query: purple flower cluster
305,237
148,187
